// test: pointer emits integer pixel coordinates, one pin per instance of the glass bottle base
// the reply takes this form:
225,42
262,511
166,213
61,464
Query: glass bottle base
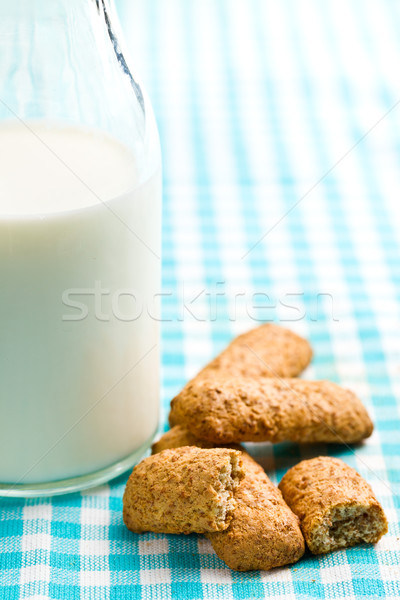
74,484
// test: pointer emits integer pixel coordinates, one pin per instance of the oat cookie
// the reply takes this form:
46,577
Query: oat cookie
266,351
244,410
263,533
336,506
183,490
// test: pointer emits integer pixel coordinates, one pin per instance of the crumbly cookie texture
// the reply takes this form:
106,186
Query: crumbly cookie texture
336,506
264,533
183,490
243,410
266,351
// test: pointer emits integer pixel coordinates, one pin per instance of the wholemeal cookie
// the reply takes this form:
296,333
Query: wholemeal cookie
243,410
183,490
263,533
336,506
266,351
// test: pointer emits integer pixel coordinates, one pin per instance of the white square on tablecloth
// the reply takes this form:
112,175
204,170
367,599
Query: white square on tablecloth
159,546
153,576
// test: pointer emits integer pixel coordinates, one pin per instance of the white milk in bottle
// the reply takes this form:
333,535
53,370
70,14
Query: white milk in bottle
79,281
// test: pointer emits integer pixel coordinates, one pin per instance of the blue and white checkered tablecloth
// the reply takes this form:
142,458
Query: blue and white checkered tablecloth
280,129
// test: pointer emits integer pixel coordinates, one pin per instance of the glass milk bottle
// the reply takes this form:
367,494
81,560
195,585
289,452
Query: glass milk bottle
80,207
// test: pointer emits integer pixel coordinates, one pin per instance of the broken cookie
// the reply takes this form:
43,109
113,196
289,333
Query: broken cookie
336,506
263,532
183,490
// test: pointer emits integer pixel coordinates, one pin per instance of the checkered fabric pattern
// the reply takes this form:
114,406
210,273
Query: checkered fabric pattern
280,129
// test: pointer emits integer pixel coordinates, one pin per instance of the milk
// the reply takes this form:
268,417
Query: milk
79,279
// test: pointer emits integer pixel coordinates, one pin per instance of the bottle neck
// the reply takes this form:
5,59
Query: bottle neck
61,53
61,61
